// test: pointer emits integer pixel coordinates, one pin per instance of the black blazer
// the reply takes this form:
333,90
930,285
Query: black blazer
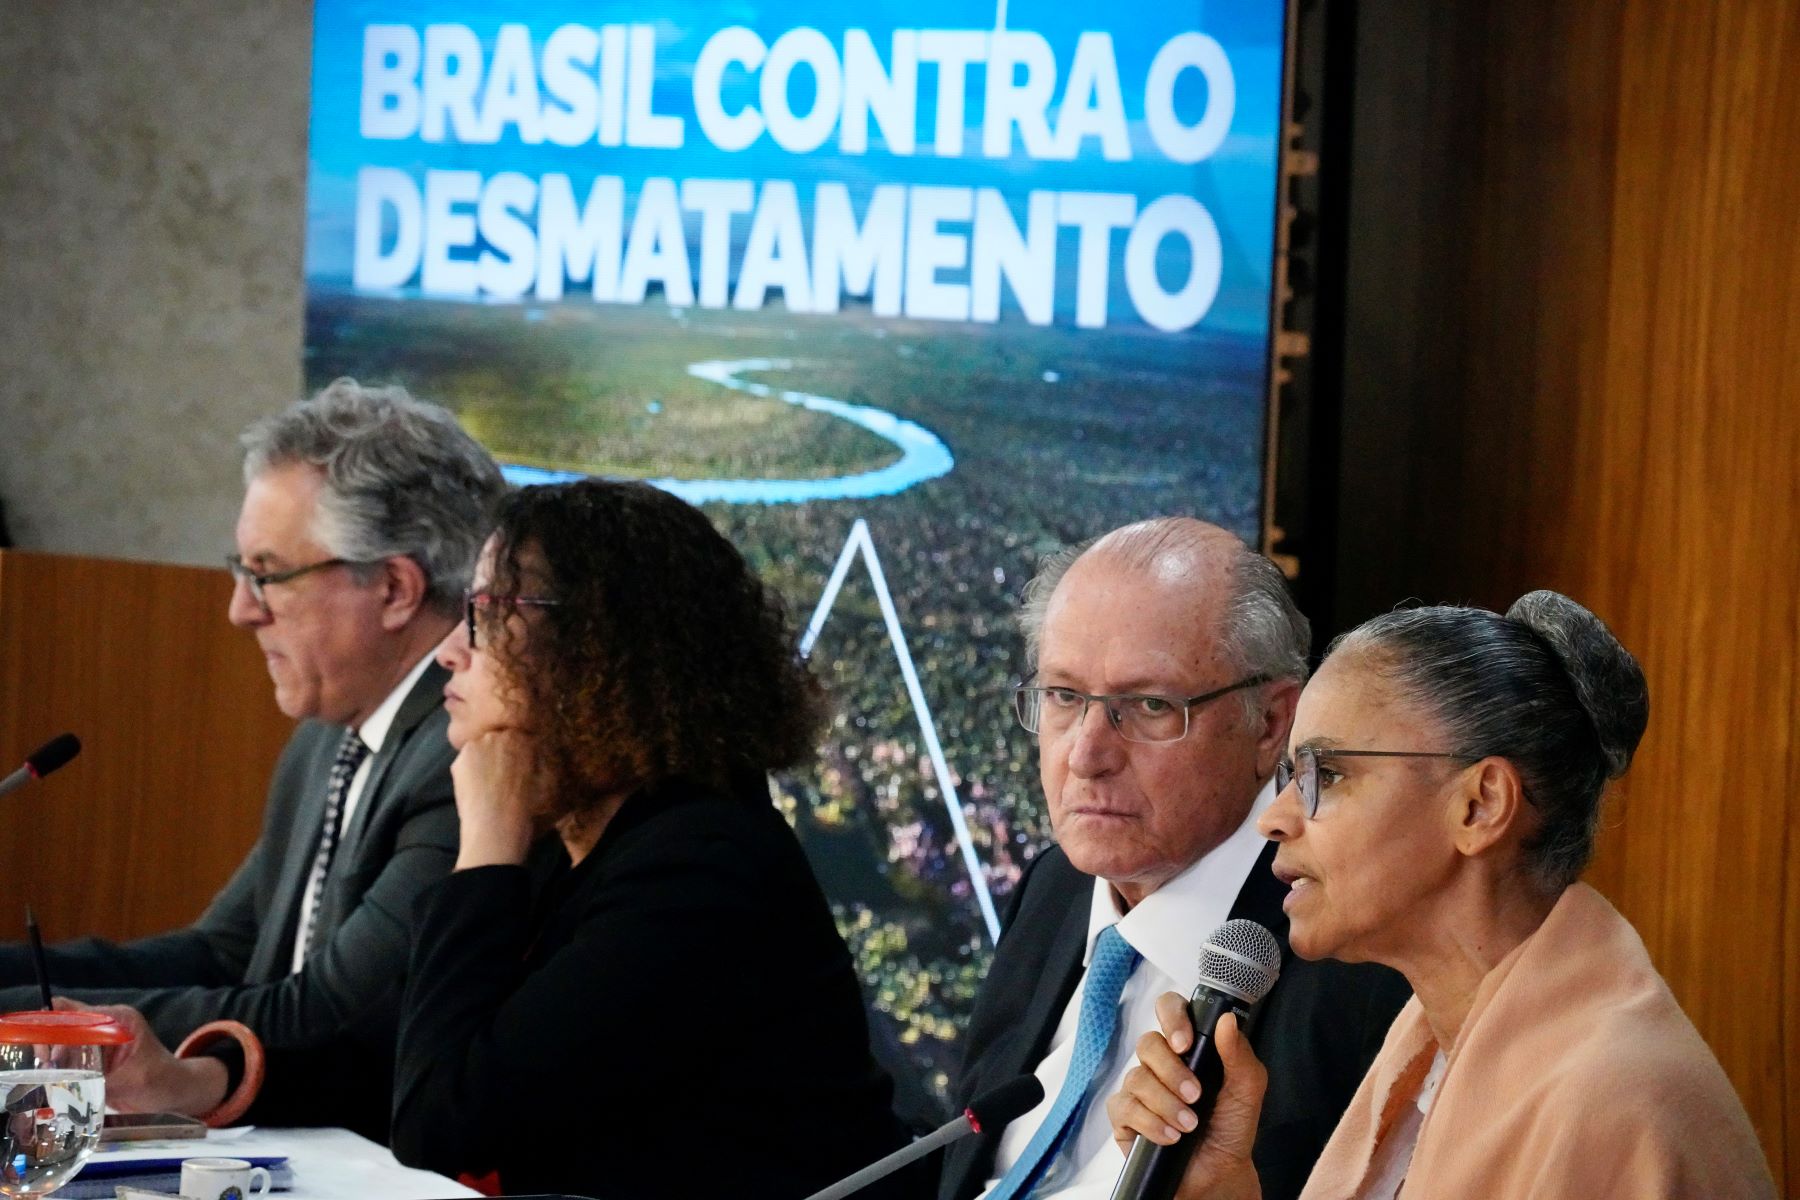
674,1017
1317,1031
330,1028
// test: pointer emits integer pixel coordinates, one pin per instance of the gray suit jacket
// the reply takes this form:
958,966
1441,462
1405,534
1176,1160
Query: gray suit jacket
329,1029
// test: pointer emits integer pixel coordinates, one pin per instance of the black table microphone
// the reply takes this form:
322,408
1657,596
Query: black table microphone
1238,966
46,758
990,1110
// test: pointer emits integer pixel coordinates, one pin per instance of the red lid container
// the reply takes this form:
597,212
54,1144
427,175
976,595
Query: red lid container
61,1029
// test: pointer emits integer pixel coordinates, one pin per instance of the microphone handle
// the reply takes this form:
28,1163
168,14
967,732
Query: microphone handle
943,1135
1152,1172
16,780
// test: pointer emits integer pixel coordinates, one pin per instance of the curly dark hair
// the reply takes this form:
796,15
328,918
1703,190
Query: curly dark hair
664,656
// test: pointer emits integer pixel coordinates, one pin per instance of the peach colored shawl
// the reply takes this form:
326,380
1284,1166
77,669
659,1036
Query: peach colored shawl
1575,1077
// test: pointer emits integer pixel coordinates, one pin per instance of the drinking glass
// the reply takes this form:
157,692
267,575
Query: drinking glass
52,1096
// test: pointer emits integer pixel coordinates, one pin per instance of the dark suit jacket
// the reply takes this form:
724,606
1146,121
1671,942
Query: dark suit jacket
1317,1031
674,1017
330,1028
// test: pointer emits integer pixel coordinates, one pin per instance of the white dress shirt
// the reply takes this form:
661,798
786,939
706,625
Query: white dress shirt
1167,927
373,733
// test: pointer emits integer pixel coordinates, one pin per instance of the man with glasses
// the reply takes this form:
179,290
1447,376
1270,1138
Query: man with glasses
363,513
1168,658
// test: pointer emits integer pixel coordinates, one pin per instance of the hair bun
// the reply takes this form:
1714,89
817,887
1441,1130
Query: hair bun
1608,681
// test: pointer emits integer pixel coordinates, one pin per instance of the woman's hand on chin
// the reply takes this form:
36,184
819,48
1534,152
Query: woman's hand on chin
1155,1096
497,783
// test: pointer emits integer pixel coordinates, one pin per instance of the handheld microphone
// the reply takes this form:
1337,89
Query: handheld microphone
46,758
1238,966
990,1110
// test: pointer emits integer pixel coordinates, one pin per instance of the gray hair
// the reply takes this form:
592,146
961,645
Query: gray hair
1264,631
402,479
1547,687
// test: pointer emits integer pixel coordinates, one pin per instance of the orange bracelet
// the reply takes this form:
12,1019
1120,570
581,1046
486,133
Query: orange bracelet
212,1033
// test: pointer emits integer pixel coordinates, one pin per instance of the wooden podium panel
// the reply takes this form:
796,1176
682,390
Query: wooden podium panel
179,733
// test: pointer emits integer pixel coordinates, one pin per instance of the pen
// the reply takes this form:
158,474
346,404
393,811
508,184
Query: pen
37,954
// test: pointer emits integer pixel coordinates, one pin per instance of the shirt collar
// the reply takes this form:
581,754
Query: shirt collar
1163,926
374,731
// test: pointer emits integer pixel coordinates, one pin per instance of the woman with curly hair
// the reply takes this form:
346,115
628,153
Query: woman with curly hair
623,680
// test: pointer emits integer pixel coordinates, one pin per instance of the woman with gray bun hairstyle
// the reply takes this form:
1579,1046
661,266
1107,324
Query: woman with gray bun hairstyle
1438,804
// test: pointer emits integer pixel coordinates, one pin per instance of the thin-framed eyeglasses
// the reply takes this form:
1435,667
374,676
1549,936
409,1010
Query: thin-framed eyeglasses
473,600
1308,762
258,580
1137,716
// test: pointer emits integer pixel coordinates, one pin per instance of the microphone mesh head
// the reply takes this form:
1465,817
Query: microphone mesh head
1241,959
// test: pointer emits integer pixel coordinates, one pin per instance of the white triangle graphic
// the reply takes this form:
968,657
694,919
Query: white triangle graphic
860,541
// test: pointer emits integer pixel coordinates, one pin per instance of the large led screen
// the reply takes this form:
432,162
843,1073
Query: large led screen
904,295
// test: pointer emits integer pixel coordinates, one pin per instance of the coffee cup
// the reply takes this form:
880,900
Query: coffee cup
222,1179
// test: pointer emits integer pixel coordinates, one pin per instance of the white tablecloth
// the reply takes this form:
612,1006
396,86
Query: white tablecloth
328,1164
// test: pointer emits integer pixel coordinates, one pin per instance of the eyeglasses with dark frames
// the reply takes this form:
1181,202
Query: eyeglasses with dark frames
1305,764
259,580
1137,716
473,600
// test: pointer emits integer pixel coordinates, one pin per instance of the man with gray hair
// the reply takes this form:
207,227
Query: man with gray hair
363,513
1168,657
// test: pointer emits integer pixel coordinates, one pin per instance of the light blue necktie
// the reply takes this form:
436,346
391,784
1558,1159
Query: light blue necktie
1113,962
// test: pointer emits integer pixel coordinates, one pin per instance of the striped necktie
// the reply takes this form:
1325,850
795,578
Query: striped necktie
350,754
1095,1028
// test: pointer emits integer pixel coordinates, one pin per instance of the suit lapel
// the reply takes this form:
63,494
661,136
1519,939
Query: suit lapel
273,955
1260,900
1056,916
1062,972
425,698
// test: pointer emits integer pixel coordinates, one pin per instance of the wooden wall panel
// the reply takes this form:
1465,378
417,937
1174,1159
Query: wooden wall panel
1701,488
1573,344
179,731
